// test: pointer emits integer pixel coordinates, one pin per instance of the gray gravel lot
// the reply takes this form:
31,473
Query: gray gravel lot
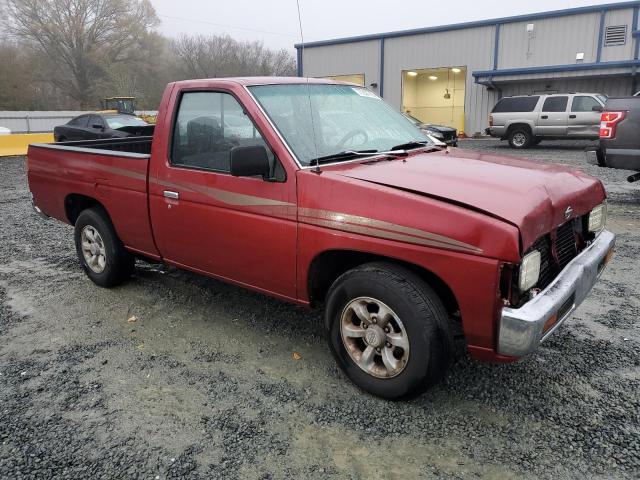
204,385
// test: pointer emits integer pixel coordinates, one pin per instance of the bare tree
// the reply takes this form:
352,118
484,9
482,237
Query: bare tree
221,56
82,39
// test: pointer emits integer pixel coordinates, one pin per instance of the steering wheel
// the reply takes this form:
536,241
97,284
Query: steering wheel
350,135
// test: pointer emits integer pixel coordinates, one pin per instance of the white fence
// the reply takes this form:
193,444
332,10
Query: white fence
39,121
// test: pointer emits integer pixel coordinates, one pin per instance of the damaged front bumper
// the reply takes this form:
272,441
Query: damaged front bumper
523,329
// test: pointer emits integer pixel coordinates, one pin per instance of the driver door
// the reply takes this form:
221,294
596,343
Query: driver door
241,229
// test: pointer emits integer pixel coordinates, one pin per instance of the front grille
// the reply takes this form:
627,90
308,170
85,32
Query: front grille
566,244
555,255
547,269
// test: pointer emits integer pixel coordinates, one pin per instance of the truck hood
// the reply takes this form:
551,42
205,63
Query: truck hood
535,197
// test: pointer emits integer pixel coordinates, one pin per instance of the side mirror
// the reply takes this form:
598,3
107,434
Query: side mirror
597,108
249,161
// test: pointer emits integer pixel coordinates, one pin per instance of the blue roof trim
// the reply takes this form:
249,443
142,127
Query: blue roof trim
556,68
474,24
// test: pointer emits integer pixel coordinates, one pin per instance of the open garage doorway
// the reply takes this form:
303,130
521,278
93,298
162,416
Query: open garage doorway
435,95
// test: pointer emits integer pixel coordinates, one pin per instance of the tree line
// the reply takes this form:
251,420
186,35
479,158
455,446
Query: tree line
70,54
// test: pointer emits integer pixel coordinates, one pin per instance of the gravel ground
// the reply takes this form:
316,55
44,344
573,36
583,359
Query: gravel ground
204,383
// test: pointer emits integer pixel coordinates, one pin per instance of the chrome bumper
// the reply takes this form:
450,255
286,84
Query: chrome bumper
522,329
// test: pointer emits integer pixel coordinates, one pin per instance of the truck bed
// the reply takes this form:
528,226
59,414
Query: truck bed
112,171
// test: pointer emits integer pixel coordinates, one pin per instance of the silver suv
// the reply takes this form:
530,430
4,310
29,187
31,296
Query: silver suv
527,120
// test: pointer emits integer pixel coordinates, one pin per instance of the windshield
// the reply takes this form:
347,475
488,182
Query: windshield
119,121
339,117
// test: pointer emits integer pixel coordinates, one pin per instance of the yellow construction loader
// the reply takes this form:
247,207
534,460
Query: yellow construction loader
125,105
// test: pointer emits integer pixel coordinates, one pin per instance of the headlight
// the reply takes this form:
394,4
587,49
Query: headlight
598,218
529,271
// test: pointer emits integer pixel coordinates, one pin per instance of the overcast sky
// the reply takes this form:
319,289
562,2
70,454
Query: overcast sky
276,21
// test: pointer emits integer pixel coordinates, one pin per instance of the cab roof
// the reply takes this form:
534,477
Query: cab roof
248,81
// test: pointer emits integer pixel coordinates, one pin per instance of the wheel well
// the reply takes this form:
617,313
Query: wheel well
75,203
328,266
514,126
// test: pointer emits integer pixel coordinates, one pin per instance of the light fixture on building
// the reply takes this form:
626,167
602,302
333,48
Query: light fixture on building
456,70
432,77
411,73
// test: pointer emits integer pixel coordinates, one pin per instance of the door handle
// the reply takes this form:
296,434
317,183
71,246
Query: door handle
172,195
572,116
544,117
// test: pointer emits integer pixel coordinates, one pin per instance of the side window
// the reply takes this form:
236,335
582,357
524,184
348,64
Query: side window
207,127
95,120
583,104
516,104
555,104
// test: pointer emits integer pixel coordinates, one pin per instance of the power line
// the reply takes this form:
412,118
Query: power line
205,22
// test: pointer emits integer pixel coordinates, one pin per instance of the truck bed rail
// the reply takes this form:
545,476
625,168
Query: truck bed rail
135,147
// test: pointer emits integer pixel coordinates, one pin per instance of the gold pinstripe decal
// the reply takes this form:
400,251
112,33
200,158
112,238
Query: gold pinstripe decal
382,229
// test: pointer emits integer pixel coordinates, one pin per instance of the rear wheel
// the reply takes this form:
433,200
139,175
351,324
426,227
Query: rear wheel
388,330
100,251
520,137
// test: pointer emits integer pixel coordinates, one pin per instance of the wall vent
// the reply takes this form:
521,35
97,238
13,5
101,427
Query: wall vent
615,35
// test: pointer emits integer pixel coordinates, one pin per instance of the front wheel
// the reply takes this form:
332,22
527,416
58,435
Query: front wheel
100,251
388,330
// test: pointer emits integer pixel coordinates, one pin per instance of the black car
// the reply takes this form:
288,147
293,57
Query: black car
448,135
95,126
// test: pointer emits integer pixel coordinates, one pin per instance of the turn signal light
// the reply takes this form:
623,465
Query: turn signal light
550,323
608,123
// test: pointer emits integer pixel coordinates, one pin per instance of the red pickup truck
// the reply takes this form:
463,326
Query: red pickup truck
318,193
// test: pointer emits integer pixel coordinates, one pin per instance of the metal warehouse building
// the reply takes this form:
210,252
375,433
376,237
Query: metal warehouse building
455,74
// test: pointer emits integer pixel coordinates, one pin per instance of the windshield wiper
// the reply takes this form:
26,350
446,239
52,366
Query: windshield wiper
344,155
411,145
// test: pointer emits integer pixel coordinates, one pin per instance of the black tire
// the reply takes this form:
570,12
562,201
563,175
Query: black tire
118,263
62,139
601,157
520,137
422,314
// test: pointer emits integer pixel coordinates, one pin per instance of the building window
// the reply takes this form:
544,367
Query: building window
615,35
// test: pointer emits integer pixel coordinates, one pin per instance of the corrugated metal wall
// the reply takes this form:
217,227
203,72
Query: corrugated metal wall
553,41
621,52
346,59
611,86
